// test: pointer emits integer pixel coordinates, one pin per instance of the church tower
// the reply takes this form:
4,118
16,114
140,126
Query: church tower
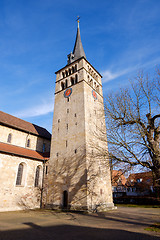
79,173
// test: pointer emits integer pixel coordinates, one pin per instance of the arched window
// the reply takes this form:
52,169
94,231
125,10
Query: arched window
20,174
66,83
97,88
76,78
72,69
62,85
28,142
72,81
63,75
66,73
37,177
9,139
69,71
75,68
91,82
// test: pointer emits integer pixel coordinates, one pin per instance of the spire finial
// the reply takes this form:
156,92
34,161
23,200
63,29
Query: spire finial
78,20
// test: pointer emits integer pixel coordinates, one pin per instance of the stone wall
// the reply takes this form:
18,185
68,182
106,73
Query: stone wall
75,165
23,196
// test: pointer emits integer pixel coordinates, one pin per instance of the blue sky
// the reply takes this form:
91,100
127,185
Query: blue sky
120,37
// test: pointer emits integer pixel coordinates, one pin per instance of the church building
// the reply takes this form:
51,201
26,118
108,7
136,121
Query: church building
24,150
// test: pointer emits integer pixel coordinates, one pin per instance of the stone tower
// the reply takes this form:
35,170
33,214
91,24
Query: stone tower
79,174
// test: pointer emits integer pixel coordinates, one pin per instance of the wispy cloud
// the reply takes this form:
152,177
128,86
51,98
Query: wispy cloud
35,111
109,75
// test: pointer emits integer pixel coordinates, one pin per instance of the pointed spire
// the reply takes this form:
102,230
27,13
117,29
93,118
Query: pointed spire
78,50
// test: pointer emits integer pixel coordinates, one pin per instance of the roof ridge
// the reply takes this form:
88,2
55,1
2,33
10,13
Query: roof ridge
24,125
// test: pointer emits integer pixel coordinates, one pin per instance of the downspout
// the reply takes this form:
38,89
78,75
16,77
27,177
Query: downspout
41,200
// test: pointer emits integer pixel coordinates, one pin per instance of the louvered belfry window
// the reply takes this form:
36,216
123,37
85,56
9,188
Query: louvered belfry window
19,174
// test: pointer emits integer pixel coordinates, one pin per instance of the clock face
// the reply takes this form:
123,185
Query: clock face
94,94
68,92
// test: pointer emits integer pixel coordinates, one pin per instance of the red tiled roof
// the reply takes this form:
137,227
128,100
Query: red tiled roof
140,175
20,124
145,176
116,176
24,152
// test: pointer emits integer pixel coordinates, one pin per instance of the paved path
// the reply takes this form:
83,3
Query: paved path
123,223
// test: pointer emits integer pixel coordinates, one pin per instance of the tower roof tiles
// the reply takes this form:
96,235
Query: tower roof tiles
78,50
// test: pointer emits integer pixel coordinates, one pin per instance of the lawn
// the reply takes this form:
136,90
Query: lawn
137,205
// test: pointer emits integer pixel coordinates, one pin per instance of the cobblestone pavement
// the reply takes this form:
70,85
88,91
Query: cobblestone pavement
123,223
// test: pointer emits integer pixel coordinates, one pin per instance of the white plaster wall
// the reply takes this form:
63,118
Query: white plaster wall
19,138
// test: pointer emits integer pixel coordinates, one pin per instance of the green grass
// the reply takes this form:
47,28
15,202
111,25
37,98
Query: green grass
137,206
154,228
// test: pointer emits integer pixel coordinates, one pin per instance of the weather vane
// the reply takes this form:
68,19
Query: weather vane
78,19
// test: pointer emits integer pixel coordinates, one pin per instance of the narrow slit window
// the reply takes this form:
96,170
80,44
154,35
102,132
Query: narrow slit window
28,142
9,138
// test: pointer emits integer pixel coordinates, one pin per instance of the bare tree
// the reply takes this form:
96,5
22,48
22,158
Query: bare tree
133,124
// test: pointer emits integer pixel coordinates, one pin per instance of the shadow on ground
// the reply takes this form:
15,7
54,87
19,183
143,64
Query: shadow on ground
71,232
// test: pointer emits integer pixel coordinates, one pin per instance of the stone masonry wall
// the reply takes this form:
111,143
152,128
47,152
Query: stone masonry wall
19,197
